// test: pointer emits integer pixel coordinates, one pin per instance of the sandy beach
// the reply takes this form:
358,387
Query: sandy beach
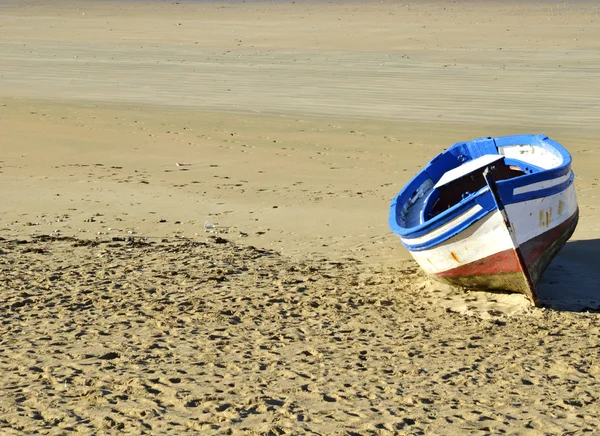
194,235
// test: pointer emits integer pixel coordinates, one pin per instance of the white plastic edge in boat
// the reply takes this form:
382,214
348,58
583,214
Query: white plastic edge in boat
442,229
467,168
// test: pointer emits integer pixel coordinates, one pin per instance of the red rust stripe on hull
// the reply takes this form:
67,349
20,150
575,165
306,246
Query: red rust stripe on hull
500,263
506,261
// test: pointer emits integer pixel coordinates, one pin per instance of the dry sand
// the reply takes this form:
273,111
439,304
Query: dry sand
149,309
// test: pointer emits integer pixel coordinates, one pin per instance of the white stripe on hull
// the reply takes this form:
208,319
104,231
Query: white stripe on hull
484,238
444,228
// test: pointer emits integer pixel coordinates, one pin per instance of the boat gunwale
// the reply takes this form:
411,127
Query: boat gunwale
483,196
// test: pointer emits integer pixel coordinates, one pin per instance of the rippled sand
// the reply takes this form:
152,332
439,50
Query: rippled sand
531,65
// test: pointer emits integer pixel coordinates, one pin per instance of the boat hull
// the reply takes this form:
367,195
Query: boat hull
485,255
490,213
503,271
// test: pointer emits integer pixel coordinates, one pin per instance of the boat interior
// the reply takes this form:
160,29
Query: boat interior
457,173
444,197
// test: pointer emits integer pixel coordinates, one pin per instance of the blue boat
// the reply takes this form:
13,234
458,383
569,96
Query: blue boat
490,213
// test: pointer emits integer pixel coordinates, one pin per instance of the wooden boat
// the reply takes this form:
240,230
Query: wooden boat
490,213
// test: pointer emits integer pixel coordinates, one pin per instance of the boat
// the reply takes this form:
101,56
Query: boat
490,213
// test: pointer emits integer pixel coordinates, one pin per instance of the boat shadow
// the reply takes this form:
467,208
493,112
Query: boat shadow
572,280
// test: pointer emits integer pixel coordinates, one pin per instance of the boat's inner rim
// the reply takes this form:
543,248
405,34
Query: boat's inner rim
446,196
